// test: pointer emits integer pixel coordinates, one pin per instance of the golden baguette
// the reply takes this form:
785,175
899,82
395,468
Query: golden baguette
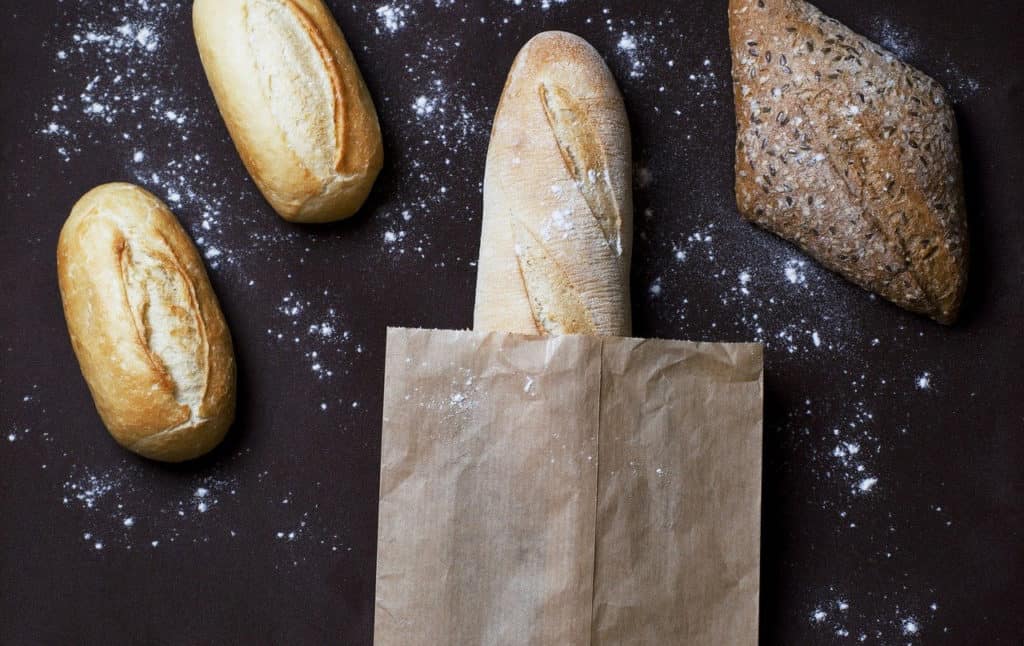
558,211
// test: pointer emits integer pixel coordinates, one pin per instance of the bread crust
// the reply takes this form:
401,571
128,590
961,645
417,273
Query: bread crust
557,226
145,325
294,101
848,153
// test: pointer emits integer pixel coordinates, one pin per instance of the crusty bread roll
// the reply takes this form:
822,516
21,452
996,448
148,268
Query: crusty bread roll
145,325
294,102
558,203
848,153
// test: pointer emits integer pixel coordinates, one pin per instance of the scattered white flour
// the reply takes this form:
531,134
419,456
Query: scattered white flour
313,329
745,279
838,616
425,106
867,484
120,70
391,17
120,506
630,48
895,39
906,47
543,4
794,271
655,289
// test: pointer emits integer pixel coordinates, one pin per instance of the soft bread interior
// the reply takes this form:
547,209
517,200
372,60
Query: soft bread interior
167,318
294,64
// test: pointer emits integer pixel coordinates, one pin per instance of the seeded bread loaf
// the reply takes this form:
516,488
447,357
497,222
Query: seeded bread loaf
558,211
294,102
145,325
848,153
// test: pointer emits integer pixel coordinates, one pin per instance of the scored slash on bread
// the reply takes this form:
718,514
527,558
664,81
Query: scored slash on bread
557,230
849,153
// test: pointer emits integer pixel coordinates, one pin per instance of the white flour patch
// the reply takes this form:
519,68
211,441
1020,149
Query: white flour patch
630,48
120,74
895,39
793,269
840,616
440,119
310,328
924,381
745,279
906,47
391,17
119,506
542,4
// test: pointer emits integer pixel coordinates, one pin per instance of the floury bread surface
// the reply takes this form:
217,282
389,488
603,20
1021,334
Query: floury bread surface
558,207
294,102
145,325
848,153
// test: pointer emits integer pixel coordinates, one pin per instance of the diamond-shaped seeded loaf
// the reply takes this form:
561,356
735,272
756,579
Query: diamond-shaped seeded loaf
849,153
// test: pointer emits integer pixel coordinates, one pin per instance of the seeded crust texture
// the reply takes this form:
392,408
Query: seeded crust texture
294,101
558,210
849,153
145,325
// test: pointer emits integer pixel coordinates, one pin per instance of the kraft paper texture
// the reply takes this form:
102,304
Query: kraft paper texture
568,490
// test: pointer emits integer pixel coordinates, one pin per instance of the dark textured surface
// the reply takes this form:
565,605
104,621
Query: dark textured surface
943,524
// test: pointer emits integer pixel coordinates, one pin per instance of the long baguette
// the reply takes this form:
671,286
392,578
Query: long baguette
558,211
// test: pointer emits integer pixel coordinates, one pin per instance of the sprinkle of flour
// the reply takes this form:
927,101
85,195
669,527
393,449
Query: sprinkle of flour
906,47
306,325
867,484
114,502
794,271
118,67
391,17
630,48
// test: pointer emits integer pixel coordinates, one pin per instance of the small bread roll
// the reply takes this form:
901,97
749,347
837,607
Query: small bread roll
294,102
558,203
145,325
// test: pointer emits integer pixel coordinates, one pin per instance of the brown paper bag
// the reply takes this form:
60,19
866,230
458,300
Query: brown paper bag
568,490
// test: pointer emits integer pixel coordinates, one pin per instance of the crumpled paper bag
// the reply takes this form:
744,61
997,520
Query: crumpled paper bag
568,490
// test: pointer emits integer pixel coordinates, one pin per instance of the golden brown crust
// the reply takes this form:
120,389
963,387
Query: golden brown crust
244,45
145,324
557,232
848,153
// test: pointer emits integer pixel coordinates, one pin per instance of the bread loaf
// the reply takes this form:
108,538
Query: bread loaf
558,210
294,102
145,325
848,153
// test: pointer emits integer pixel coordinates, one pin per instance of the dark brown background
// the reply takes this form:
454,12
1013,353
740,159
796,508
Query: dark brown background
944,524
